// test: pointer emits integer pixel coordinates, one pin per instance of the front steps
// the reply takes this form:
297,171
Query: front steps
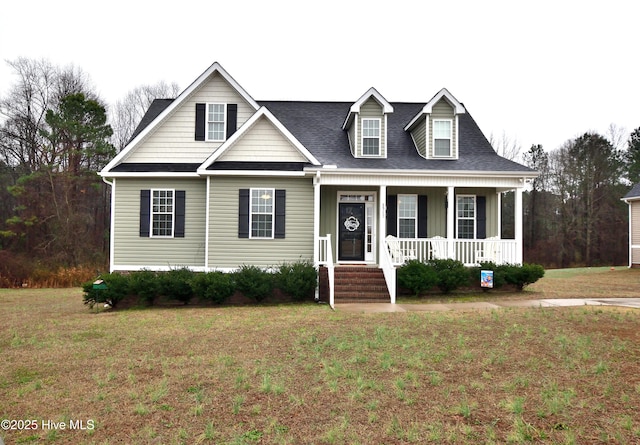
360,284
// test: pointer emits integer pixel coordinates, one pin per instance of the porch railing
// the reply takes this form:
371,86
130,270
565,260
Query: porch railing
389,271
325,258
468,251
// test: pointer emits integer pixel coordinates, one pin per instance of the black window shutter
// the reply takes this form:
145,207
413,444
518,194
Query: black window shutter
481,217
178,230
243,214
232,119
201,112
392,215
422,216
145,212
281,196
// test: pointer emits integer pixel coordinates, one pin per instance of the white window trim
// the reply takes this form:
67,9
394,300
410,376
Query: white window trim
224,123
433,138
362,137
173,213
474,218
415,218
272,191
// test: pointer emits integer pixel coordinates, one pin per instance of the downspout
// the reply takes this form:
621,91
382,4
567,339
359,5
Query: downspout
112,221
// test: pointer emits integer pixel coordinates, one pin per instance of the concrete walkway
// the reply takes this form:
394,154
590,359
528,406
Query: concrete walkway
435,307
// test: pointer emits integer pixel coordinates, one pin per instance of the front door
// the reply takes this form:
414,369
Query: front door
351,232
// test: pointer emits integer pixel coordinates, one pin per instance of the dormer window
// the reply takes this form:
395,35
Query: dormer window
216,122
435,129
442,137
371,137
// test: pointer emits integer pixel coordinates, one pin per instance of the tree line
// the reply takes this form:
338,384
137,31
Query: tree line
574,215
56,132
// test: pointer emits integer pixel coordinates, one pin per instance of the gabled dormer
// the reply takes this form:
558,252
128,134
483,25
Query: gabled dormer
366,125
435,129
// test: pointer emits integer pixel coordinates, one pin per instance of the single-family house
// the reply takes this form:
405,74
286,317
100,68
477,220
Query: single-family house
632,198
214,179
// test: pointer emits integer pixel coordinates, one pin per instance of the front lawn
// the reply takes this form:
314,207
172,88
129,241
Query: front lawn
301,373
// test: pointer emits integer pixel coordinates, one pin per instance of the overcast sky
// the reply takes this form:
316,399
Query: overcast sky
541,72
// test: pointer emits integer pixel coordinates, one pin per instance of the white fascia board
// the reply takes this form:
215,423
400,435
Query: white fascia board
384,103
149,174
458,108
215,67
279,173
263,111
355,108
452,173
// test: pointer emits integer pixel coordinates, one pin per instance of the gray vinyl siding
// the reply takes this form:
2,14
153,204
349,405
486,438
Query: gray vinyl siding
226,250
419,134
264,141
132,250
173,141
442,110
371,109
353,140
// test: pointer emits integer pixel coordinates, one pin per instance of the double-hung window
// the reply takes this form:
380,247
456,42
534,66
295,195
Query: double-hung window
261,215
466,216
371,137
442,137
216,123
407,216
162,213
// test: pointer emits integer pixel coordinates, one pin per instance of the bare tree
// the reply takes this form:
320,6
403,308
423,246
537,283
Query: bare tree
618,136
506,146
128,112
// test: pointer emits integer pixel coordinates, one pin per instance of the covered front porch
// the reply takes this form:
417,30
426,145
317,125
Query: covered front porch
417,218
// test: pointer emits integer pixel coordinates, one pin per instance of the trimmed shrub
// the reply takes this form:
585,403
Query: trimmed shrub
417,276
298,279
522,276
118,287
175,284
146,286
215,287
254,282
451,274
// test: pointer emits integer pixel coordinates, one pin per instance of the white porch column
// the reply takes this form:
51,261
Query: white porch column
207,221
499,214
316,218
382,219
518,224
316,230
451,203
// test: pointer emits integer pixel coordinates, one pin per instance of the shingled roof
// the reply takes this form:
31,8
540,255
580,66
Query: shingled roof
318,126
634,193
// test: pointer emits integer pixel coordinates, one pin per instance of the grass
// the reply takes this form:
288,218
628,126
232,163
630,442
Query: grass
304,374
